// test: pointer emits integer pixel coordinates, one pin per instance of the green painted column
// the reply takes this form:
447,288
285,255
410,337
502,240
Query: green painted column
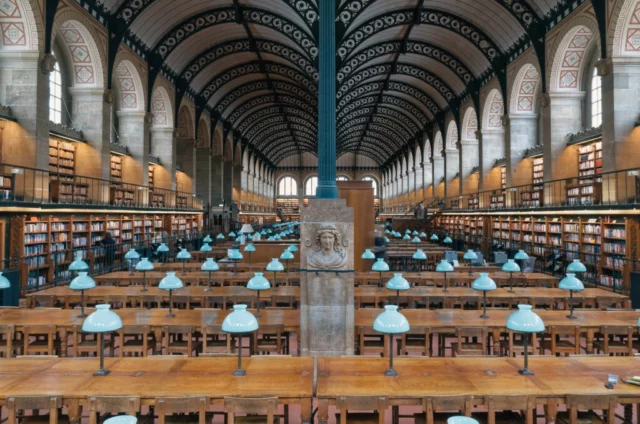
327,188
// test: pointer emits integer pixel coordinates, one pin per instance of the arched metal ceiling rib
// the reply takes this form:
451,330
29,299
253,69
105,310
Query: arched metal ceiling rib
247,123
390,99
243,110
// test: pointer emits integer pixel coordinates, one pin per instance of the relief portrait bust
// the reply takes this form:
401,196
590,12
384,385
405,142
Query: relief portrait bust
326,252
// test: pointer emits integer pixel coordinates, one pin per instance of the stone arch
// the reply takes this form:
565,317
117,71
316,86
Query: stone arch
469,124
228,149
22,25
625,34
570,54
129,87
216,144
161,108
237,158
427,148
524,91
493,111
83,49
202,137
185,123
438,145
294,178
452,135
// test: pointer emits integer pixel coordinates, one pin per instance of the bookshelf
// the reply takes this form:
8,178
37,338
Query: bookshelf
288,206
474,202
588,190
116,168
503,177
156,197
533,198
181,202
7,182
64,186
498,201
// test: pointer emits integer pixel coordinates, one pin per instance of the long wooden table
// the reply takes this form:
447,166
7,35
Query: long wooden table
64,320
460,277
288,379
123,278
554,379
363,295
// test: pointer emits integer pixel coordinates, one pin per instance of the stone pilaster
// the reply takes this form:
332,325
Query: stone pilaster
562,116
202,179
451,167
438,174
469,156
134,133
163,145
326,298
427,175
522,134
491,148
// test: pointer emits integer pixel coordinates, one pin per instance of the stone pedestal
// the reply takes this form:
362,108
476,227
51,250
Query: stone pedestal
326,298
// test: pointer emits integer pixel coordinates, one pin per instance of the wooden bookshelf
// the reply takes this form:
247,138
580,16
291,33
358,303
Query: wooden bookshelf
498,201
150,172
473,202
121,195
116,168
584,194
503,177
65,187
533,198
588,189
288,206
7,183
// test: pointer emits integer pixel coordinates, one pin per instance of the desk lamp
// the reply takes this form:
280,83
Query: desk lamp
239,322
391,322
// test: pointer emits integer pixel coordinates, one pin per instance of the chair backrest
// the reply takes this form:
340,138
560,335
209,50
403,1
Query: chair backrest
480,332
35,403
589,402
8,331
458,403
361,403
184,404
112,405
258,406
511,403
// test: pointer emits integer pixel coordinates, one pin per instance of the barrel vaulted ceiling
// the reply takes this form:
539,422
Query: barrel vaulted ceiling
402,64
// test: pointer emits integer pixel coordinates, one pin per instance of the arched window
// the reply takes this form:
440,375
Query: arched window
596,99
310,187
374,183
287,187
342,178
55,95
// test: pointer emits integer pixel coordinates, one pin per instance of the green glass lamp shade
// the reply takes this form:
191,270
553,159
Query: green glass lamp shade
470,255
423,235
460,420
286,255
386,240
433,237
387,231
391,321
416,239
407,231
398,235
4,282
250,248
269,231
206,248
207,239
163,248
271,238
144,265
484,283
571,283
263,233
524,320
132,254
420,255
398,282
239,321
258,282
209,265
406,237
232,234
235,254
121,419
249,237
275,265
576,266
293,248
237,240
170,282
103,320
368,254
183,254
380,265
82,282
444,266
511,266
220,236
521,256
415,233
447,240
78,264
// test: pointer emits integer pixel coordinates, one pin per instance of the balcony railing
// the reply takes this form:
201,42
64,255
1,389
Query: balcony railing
617,188
24,185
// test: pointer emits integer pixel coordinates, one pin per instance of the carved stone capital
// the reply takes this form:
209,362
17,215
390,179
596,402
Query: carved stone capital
48,63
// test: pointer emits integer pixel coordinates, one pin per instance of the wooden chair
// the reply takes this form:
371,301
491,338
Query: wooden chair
514,345
542,303
616,340
255,410
370,341
136,340
508,409
16,405
377,404
7,339
558,340
101,405
117,301
604,302
437,409
149,301
415,341
181,339
268,339
580,409
45,340
466,346
88,343
182,302
191,410
214,340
